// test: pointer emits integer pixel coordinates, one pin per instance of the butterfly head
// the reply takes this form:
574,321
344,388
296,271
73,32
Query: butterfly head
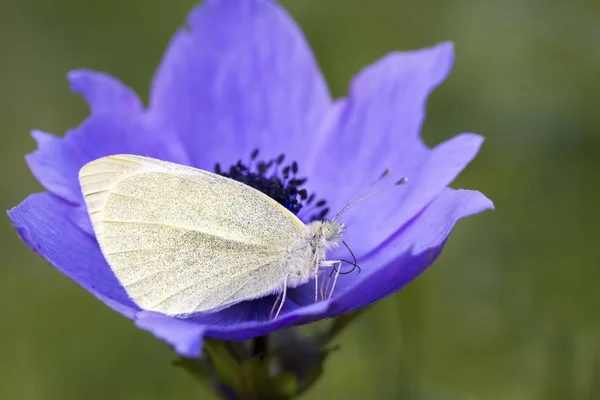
331,232
325,234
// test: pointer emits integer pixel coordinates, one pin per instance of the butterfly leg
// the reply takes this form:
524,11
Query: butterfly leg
282,298
274,305
337,273
330,263
322,287
316,282
320,265
324,292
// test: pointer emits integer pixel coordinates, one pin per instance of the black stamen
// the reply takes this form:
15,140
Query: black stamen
298,182
241,166
262,168
287,192
323,213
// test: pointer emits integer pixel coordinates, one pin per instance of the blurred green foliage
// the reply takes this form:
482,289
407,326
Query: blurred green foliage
509,311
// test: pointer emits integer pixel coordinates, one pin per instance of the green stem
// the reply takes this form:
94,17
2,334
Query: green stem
260,346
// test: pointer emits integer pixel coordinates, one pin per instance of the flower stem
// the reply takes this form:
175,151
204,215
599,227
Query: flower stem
260,346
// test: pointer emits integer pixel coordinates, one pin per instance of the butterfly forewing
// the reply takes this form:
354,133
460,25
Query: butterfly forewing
182,240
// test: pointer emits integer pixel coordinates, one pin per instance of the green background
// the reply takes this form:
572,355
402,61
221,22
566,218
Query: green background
509,311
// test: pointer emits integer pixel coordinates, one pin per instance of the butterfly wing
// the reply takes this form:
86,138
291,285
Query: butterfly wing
182,240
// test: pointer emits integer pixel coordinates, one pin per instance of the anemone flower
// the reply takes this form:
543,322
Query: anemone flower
239,92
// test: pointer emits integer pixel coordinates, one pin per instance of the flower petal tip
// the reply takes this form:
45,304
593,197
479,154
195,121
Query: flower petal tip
104,93
470,202
17,217
446,46
40,138
83,81
475,137
486,203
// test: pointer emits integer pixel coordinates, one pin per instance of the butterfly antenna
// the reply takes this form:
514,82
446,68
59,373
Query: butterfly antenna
383,175
364,192
355,202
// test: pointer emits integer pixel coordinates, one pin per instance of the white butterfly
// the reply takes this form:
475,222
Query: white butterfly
182,240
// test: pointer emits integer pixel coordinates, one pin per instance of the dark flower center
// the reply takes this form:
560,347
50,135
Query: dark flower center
279,182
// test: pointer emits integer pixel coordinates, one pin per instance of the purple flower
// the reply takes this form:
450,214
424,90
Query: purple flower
241,76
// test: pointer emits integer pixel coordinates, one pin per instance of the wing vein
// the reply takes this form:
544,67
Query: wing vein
203,232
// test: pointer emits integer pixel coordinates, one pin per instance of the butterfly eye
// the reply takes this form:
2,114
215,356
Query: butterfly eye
328,231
